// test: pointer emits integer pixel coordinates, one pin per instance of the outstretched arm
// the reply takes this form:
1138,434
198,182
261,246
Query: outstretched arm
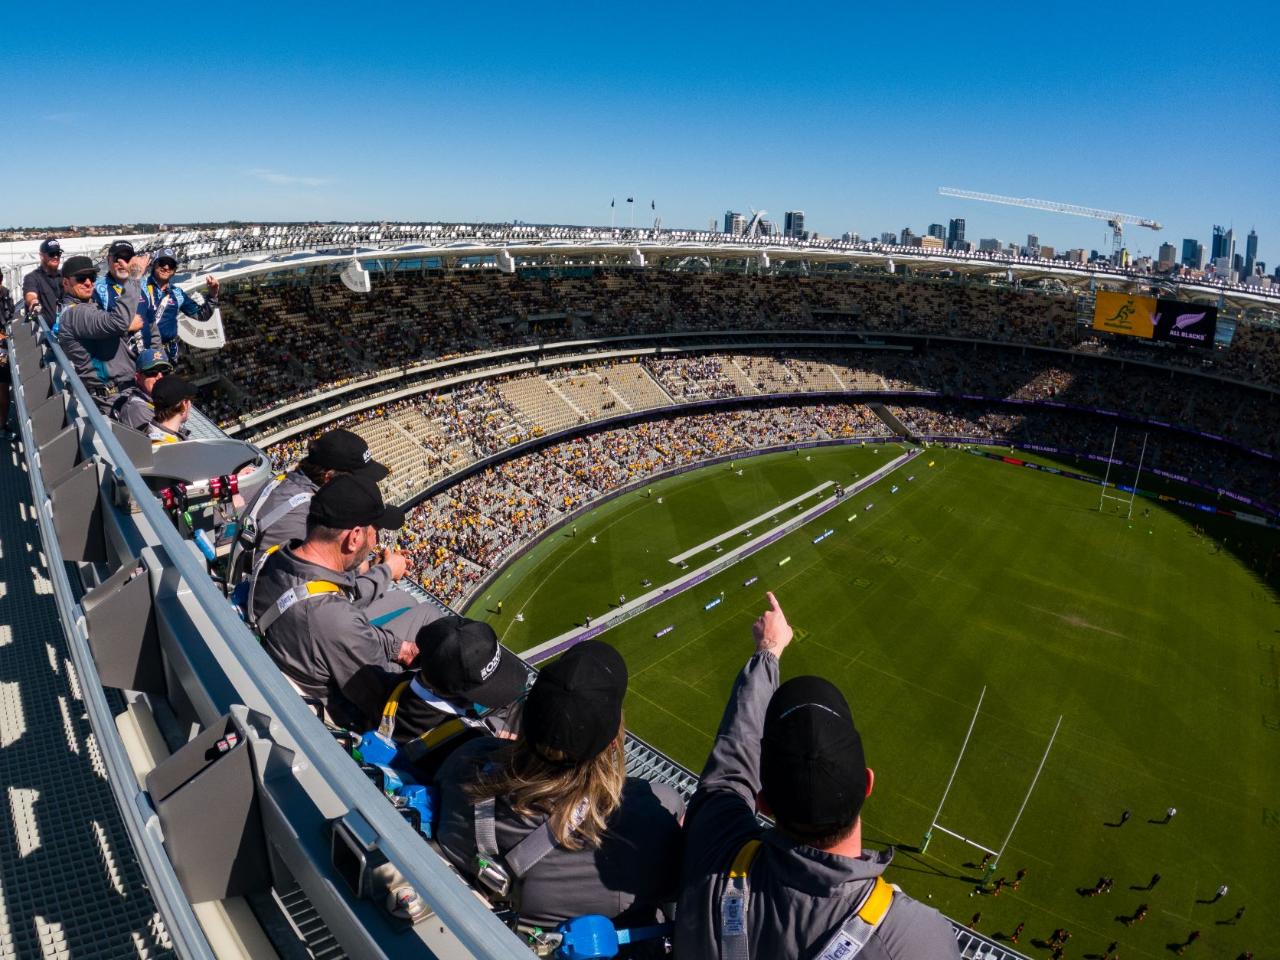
734,763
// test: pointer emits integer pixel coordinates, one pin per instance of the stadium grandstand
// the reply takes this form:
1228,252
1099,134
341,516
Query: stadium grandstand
514,379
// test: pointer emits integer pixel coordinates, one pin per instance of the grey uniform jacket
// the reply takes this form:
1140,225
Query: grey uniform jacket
293,525
799,896
634,871
96,341
327,645
135,409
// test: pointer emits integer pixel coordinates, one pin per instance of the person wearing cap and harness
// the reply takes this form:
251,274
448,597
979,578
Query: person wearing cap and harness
163,301
108,288
466,686
96,341
172,396
134,407
278,514
804,888
550,822
315,620
42,287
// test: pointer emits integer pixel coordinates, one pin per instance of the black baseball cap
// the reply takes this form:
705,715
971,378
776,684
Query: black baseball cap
575,705
171,391
51,248
166,259
346,451
351,500
73,265
462,659
120,250
812,769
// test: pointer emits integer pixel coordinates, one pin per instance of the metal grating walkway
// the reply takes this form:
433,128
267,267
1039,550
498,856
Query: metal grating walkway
70,886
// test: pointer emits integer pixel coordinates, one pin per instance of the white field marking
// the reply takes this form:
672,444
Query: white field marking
730,534
660,594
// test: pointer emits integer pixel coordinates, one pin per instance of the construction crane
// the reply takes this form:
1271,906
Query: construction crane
1114,220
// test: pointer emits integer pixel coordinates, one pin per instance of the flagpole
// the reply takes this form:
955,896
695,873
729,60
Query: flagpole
612,211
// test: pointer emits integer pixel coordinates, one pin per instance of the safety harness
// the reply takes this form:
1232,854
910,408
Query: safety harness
500,872
298,594
158,304
420,746
252,529
845,944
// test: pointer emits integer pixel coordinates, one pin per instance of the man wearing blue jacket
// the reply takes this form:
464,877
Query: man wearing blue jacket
162,301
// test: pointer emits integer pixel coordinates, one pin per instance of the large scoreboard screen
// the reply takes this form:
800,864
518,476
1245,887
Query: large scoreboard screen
1155,318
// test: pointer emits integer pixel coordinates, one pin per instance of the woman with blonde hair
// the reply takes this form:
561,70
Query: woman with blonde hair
550,822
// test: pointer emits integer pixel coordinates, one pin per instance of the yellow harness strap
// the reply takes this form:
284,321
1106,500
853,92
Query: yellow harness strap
446,731
388,724
742,862
424,743
877,903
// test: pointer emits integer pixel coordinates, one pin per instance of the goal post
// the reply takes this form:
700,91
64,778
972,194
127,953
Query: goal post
993,855
1106,479
933,824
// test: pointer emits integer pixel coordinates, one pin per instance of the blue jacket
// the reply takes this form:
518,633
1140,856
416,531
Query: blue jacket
105,291
159,308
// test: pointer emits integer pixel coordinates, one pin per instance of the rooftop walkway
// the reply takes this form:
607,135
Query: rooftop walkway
70,885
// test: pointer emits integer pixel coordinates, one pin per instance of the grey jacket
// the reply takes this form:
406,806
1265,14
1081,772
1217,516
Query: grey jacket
293,525
326,644
799,896
96,341
635,870
134,408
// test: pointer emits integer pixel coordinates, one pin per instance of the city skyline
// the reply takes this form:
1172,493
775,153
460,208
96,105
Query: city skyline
310,114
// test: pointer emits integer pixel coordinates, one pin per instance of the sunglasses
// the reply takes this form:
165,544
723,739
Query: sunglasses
84,277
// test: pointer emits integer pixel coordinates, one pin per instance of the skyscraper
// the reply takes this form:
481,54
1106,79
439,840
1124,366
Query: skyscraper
734,223
955,234
1193,254
937,230
1250,252
1217,247
1168,258
793,224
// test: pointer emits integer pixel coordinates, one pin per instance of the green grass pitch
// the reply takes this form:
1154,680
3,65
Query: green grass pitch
1159,651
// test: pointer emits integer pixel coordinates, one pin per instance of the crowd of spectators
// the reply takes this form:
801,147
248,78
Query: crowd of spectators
456,537
1201,463
291,340
427,437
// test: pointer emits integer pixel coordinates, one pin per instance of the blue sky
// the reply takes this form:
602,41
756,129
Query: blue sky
854,113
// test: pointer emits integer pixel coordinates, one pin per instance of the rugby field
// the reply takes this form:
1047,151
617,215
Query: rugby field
1158,650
